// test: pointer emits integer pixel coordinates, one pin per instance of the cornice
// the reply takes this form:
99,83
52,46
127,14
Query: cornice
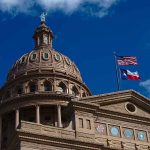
82,106
124,117
114,95
34,99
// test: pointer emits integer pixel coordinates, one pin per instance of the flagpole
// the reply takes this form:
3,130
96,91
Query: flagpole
117,72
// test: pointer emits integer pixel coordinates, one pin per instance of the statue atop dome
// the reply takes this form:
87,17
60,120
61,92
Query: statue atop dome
43,16
43,35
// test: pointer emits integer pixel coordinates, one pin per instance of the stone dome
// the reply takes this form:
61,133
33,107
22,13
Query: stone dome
44,59
44,70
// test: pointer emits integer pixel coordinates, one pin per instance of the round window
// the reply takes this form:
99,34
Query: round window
114,131
45,56
128,133
141,136
100,128
130,107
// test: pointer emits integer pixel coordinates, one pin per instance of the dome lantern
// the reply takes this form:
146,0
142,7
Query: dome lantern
43,35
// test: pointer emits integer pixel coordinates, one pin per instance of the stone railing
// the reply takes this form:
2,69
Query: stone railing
47,130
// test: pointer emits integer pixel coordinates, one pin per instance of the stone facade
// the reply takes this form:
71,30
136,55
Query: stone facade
45,105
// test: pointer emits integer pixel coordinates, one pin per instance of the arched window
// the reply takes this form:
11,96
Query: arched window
19,89
62,88
32,87
83,94
8,94
75,91
47,86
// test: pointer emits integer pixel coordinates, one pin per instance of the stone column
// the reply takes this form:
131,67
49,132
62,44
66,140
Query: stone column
17,119
55,117
38,114
0,131
59,115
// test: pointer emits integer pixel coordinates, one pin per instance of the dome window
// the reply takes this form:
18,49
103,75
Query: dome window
47,86
62,88
68,62
57,57
32,87
83,94
23,59
45,56
45,39
75,91
19,90
33,57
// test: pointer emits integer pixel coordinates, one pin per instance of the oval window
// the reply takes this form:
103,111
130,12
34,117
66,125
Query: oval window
141,136
128,133
114,131
130,107
68,62
45,56
23,59
33,57
57,57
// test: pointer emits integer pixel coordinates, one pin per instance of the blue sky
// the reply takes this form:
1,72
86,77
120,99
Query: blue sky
87,31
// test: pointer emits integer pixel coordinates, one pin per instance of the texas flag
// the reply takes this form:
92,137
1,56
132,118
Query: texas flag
128,75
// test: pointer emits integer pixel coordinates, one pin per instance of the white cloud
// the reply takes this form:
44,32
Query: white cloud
146,85
16,6
64,5
67,6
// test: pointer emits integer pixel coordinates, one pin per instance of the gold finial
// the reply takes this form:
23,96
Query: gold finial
43,16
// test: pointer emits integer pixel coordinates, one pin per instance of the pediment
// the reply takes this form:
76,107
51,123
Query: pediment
129,108
123,102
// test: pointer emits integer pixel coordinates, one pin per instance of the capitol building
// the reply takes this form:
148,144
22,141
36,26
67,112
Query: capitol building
45,105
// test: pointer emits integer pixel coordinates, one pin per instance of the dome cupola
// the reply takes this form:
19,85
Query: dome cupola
43,35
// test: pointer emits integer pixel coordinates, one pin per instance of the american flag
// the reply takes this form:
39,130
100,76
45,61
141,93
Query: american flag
126,60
